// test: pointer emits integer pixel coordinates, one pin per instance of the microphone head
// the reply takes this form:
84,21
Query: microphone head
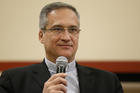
61,64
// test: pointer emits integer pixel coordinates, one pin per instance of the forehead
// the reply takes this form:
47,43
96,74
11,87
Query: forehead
62,16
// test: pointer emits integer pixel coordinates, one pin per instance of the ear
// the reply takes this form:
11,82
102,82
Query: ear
40,34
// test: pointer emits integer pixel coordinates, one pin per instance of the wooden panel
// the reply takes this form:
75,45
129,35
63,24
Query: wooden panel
116,66
113,66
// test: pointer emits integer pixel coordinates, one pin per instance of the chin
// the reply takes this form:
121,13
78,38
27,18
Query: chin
65,55
68,55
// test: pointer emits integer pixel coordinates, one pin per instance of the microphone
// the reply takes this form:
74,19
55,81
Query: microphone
61,64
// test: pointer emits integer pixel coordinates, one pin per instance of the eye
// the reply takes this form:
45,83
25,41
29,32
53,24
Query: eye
73,30
57,29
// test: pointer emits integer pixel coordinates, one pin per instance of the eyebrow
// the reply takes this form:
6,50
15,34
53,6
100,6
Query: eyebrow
74,26
57,26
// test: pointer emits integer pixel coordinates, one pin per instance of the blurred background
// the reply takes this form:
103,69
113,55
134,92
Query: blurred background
110,34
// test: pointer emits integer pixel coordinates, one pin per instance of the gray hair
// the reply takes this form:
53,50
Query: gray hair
50,7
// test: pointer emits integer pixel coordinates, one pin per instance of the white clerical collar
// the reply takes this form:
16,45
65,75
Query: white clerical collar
52,66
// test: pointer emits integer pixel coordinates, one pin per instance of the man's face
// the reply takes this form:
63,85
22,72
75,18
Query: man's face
60,43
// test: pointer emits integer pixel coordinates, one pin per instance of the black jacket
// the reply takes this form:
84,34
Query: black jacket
30,79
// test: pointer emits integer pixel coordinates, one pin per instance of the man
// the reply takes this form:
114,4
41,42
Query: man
59,33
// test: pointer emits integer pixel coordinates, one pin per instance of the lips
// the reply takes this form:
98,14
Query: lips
65,45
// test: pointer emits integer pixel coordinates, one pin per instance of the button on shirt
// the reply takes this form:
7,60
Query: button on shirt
72,77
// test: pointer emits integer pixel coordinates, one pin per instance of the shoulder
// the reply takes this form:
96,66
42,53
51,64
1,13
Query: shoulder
97,72
100,76
108,80
20,71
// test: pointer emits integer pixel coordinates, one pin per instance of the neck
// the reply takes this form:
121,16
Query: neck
53,59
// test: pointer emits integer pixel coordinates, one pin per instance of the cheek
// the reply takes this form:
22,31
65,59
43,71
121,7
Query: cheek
75,41
51,41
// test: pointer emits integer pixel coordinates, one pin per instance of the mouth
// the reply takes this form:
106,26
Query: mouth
65,45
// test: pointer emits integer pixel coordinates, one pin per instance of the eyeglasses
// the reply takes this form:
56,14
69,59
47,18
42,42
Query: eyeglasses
72,30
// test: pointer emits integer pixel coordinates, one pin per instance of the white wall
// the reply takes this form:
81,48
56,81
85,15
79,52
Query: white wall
110,29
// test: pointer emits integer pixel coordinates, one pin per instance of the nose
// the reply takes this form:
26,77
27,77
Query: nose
65,36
